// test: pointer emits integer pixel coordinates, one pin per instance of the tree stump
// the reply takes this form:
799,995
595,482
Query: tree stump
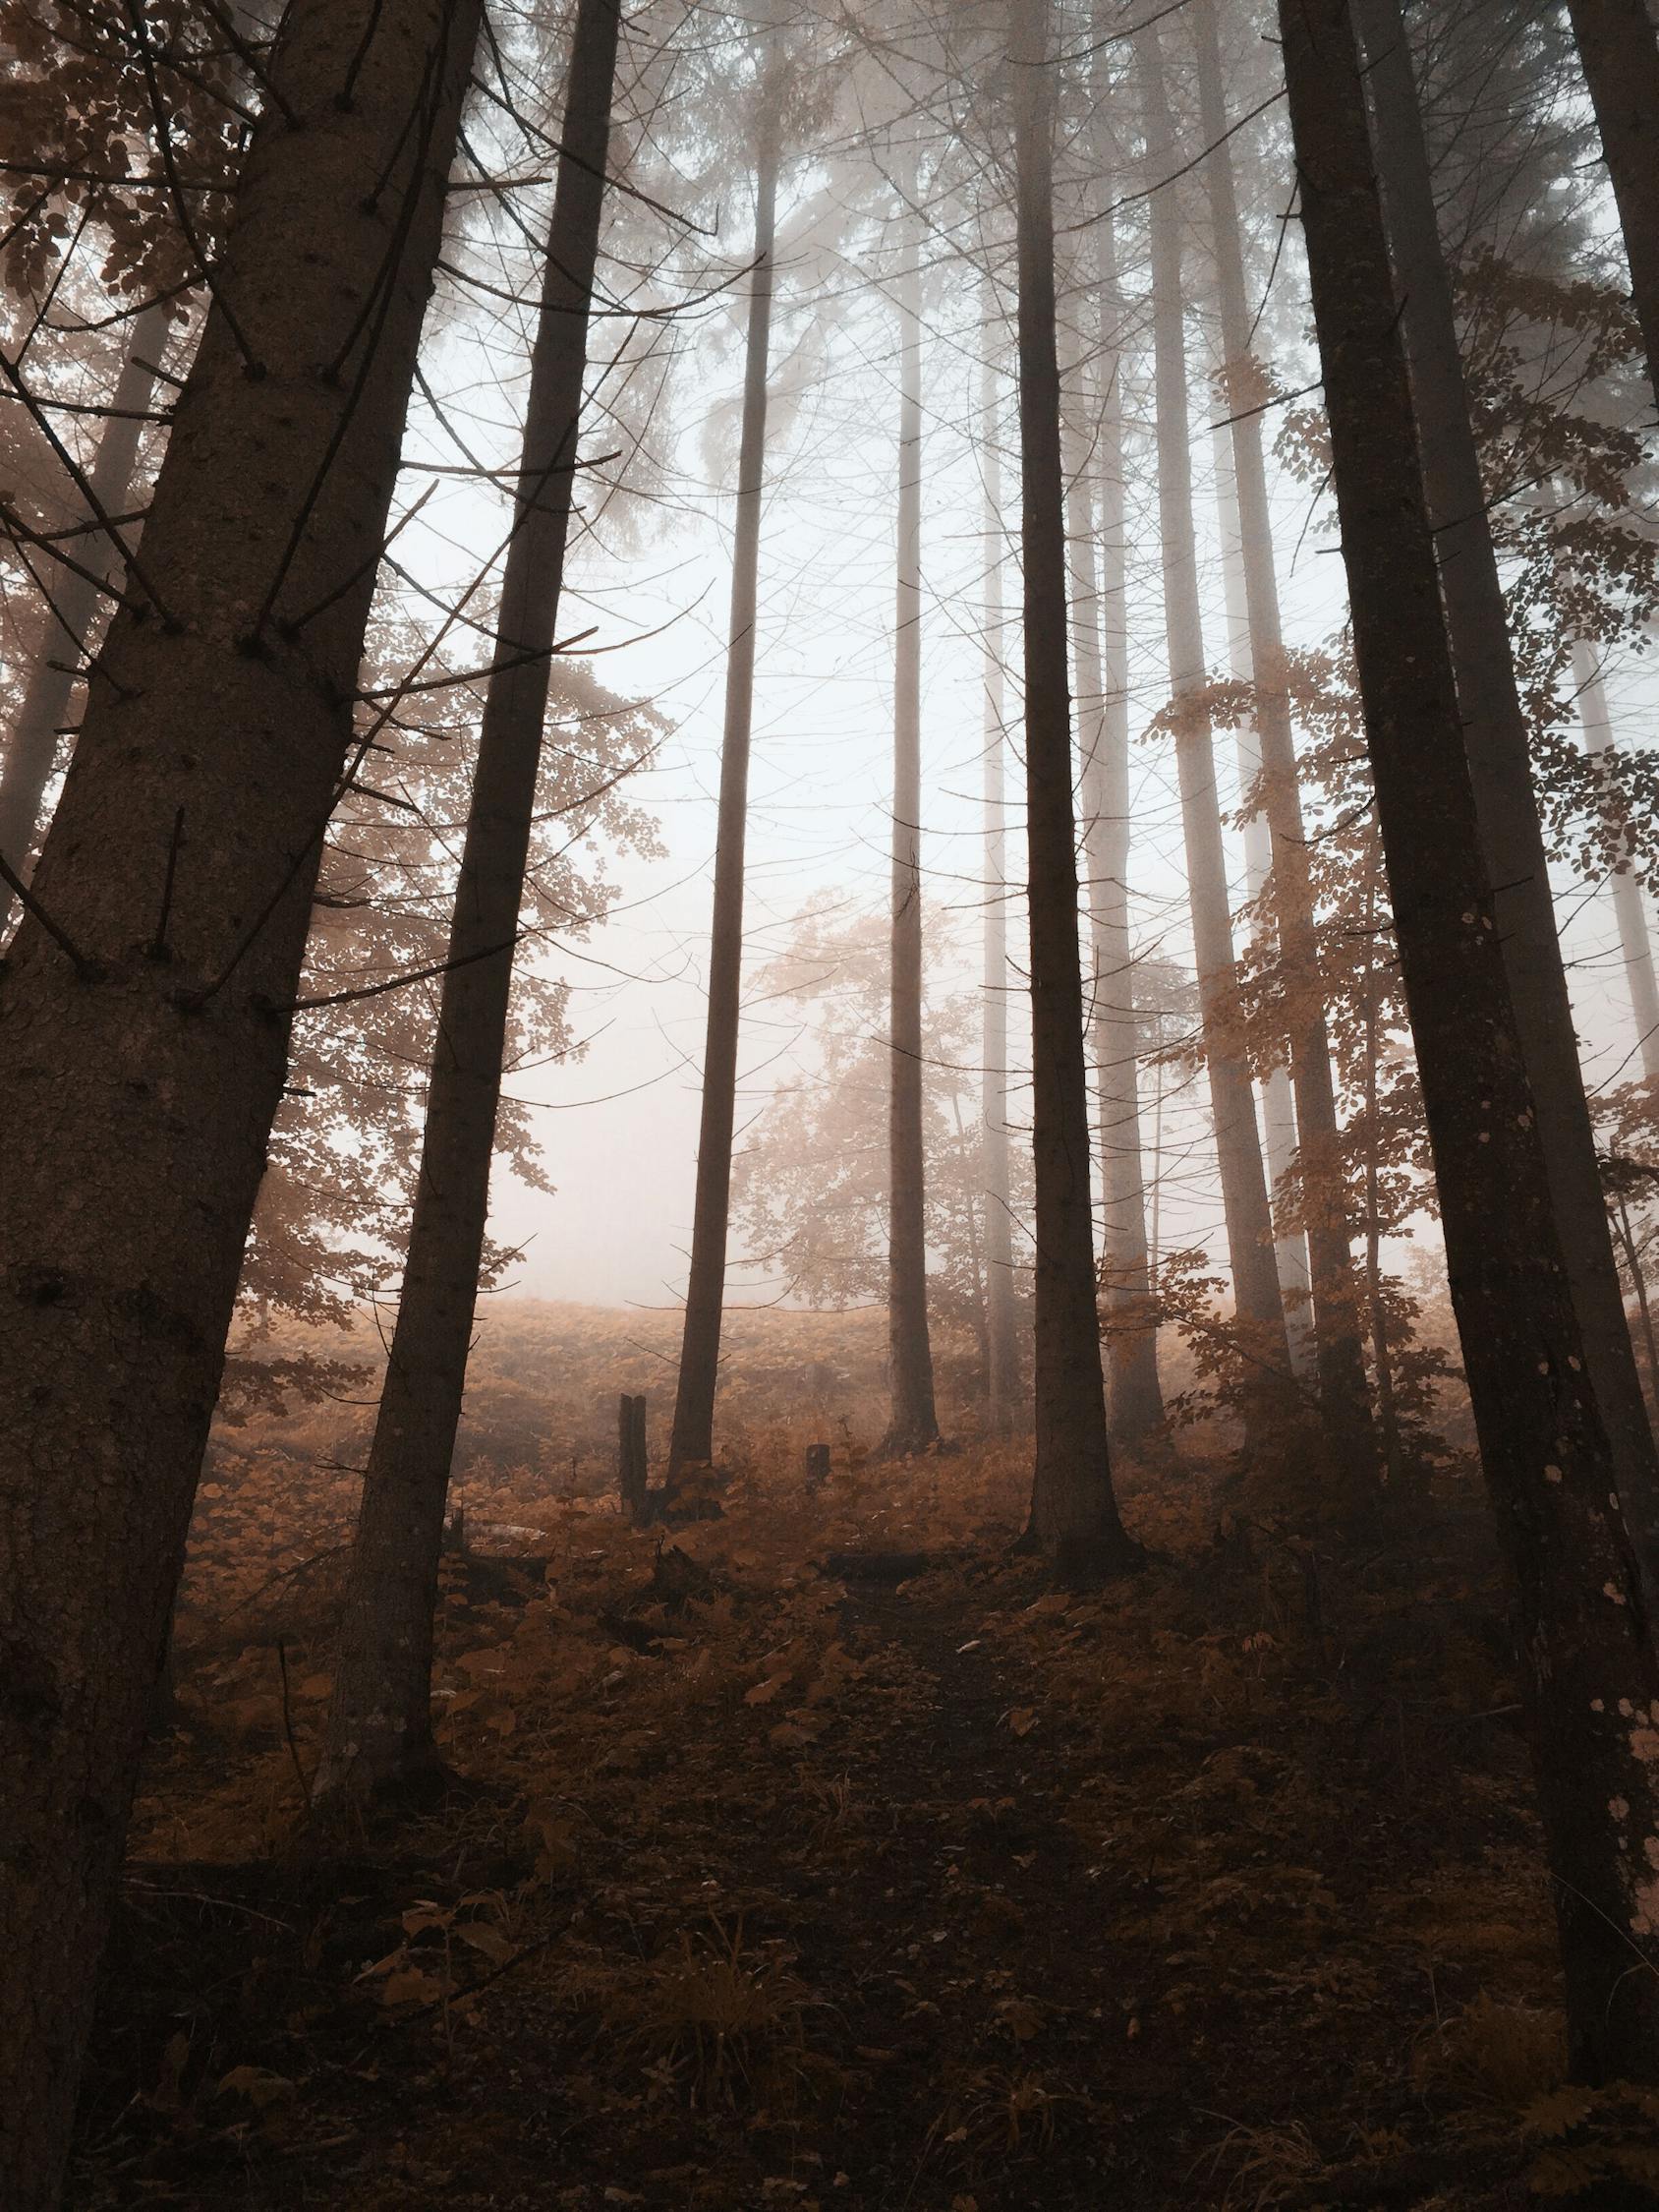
632,1474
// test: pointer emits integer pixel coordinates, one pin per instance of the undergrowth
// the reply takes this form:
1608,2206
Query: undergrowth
1217,1886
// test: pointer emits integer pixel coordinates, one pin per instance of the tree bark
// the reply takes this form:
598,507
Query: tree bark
1496,739
1629,911
1639,1285
692,1440
211,752
1382,1352
69,619
914,1421
378,1734
1244,1200
1134,1395
979,1317
1002,1333
1073,1508
1619,54
1588,1673
633,1468
1344,1395
1134,1400
1278,1104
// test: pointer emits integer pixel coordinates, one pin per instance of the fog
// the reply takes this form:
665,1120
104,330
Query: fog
828,1104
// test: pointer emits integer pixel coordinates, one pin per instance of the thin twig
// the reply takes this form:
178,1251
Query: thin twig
288,1725
292,628
300,1566
398,691
381,292
60,175
20,534
158,942
83,484
343,97
398,982
251,364
473,1989
87,970
203,1896
250,62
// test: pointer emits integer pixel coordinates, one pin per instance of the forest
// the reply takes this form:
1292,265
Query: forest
828,1105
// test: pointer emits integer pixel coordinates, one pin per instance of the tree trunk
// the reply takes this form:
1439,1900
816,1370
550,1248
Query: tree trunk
914,1423
69,619
1001,1334
1134,1395
1619,55
1073,1509
633,1467
154,1057
1154,1243
379,1733
692,1440
1381,1353
1279,1105
1629,911
1244,1200
1587,1670
1343,1397
1496,738
1134,1401
980,1321
1639,1285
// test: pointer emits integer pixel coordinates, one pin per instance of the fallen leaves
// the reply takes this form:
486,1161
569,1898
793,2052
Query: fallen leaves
257,2084
1107,1840
413,1985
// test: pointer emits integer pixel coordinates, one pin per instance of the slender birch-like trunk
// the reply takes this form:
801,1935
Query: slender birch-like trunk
692,1442
1382,1352
1002,1333
1589,1678
914,1422
145,1019
1134,1403
1278,1104
379,1733
981,1322
1632,1250
1344,1394
1244,1198
1628,912
43,712
1134,1395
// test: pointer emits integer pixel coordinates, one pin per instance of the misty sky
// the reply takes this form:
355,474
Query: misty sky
618,1128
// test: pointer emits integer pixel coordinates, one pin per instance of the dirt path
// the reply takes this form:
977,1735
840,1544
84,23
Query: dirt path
988,1961
893,1928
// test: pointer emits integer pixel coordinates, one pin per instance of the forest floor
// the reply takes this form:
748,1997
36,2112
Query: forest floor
773,1885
